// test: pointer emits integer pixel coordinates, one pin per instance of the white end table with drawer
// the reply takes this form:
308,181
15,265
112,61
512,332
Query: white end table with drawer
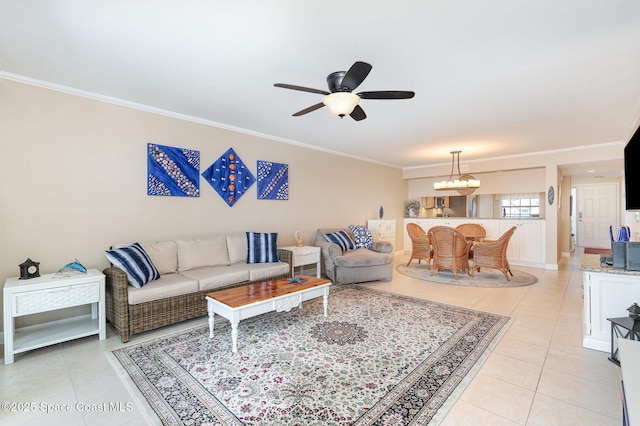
48,293
305,255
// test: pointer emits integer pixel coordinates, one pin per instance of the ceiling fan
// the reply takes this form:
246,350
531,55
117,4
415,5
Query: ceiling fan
340,99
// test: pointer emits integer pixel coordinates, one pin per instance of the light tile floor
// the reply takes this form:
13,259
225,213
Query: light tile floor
539,373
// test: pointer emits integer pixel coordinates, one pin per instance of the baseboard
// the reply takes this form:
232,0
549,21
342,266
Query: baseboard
565,254
551,266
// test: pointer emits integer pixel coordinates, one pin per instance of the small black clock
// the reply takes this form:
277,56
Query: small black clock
29,269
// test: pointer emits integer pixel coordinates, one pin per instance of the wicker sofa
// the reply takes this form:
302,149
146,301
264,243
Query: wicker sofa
189,269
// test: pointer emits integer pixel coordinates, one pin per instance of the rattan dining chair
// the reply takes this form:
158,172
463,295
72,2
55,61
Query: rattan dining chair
493,254
450,250
472,231
420,244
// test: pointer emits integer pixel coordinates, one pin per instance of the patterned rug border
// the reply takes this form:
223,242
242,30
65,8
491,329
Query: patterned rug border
481,353
487,278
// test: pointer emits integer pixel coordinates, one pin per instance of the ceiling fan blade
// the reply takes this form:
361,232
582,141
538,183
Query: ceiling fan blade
356,75
308,110
387,94
358,113
301,88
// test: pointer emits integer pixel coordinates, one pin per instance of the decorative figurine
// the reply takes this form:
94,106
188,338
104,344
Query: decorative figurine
299,239
73,265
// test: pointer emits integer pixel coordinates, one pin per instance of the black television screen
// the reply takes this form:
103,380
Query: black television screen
632,171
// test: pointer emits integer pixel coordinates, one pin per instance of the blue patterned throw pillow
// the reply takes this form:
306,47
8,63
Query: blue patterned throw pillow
135,262
262,247
342,239
362,236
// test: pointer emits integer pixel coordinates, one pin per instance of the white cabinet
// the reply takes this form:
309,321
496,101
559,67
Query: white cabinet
606,295
451,222
526,246
48,293
423,223
383,230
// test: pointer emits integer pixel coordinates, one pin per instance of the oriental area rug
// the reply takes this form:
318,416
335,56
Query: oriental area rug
377,358
485,278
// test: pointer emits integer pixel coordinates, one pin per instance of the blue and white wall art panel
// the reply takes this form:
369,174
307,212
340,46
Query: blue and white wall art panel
273,181
229,176
173,171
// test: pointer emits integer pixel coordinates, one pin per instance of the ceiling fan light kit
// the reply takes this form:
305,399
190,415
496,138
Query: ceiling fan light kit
464,184
340,99
341,103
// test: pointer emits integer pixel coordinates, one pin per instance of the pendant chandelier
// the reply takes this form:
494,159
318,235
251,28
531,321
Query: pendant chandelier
464,184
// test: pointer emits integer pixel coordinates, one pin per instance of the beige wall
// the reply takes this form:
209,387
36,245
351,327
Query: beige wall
73,182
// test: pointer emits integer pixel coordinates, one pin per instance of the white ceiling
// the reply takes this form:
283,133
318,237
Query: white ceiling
492,78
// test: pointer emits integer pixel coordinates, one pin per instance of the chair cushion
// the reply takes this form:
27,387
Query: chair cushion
262,247
362,236
341,238
362,257
135,262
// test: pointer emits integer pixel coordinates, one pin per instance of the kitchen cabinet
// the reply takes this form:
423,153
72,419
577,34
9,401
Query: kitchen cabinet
526,246
436,202
606,295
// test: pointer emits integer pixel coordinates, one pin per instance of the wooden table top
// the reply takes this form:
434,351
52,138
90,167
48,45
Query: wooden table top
244,295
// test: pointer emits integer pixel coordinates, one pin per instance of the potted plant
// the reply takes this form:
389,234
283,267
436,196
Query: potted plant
412,208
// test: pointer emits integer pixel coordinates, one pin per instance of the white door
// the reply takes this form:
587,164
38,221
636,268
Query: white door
597,210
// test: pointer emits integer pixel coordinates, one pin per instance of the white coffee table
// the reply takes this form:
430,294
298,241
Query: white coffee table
238,303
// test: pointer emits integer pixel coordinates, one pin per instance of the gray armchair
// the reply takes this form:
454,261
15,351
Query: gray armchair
354,266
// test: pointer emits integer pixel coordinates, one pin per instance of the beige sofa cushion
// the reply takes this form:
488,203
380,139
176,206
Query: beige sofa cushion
262,271
237,248
214,277
164,255
199,252
166,286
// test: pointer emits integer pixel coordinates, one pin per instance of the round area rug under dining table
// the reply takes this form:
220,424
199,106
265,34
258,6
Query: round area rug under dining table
485,278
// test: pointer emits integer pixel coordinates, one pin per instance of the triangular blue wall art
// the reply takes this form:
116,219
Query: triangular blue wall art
173,171
273,181
229,176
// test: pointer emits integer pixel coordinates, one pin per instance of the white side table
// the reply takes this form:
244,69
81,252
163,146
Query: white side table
305,255
48,293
